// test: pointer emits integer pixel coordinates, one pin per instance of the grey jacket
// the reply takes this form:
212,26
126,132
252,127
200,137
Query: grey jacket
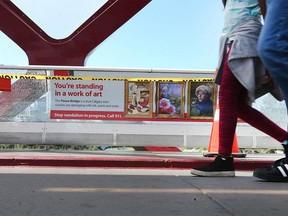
243,60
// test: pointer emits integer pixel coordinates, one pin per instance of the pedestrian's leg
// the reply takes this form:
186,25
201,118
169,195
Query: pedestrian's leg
259,121
223,165
229,93
273,43
273,50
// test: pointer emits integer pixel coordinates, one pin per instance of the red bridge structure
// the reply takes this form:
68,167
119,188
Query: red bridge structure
42,49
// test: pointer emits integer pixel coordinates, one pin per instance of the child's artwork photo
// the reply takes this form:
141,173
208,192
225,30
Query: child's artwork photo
202,99
170,99
138,99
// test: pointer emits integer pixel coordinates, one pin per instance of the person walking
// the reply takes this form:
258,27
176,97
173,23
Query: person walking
273,51
240,73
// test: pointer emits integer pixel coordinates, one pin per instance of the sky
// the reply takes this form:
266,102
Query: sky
173,34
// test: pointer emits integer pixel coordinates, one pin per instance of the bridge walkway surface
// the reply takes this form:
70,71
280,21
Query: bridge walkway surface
132,183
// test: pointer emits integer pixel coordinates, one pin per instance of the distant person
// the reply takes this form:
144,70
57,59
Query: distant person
240,73
203,105
273,50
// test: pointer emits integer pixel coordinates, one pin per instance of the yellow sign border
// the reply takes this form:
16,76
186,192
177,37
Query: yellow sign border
45,77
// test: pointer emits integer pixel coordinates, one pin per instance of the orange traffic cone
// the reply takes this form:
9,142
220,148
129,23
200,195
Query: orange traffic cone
214,139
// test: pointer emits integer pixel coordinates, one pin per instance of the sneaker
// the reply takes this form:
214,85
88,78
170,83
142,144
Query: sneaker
278,172
281,162
221,167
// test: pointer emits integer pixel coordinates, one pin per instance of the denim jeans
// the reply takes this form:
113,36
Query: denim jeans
273,43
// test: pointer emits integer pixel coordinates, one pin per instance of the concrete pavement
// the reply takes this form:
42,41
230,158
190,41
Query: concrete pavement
130,183
63,191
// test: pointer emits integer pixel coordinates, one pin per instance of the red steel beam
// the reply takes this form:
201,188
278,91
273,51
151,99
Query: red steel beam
42,49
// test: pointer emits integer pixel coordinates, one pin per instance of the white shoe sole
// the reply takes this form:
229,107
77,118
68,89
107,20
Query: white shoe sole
213,174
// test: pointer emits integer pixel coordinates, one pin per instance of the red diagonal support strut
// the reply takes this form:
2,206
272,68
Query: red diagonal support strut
41,49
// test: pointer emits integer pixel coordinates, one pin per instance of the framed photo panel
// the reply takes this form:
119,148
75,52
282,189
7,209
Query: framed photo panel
138,99
201,100
170,99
